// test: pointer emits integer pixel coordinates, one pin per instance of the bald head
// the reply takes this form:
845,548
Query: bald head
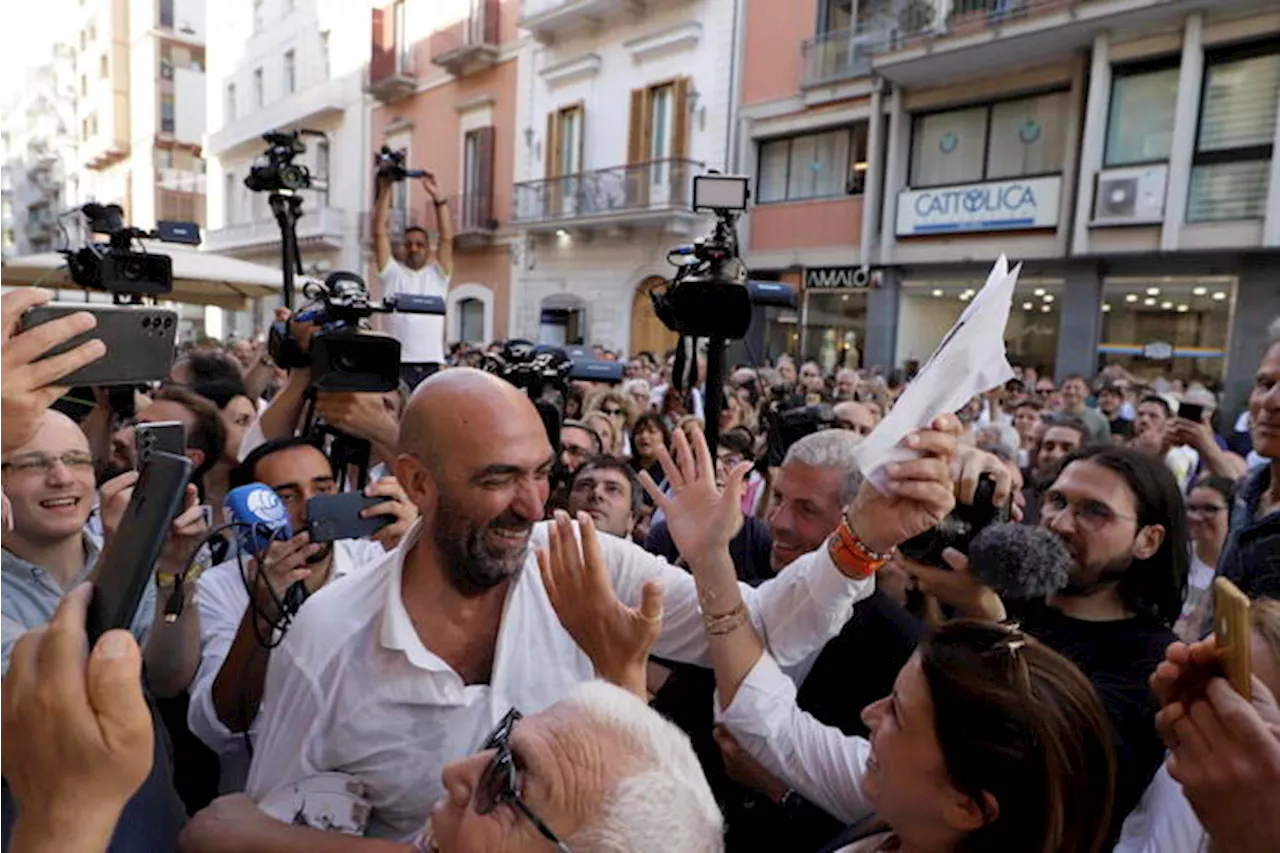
462,403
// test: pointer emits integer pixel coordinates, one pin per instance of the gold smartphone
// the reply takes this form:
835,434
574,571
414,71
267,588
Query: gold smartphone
1231,627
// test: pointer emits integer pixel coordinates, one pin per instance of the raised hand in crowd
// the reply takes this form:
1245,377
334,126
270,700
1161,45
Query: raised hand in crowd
363,415
28,388
1224,750
616,638
397,504
77,732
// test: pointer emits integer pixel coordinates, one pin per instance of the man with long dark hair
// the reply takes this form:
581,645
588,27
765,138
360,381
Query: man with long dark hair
1121,517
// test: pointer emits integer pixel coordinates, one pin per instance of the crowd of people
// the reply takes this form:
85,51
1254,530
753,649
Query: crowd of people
593,632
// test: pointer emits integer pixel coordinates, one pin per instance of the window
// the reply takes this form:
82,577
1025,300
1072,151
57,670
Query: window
166,14
1010,139
322,170
401,35
103,67
166,114
84,84
84,128
817,165
324,53
471,320
568,150
257,15
1234,145
477,177
257,87
1140,128
229,198
164,158
290,72
231,101
835,15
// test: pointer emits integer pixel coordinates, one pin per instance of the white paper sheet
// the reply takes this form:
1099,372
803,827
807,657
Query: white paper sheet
970,360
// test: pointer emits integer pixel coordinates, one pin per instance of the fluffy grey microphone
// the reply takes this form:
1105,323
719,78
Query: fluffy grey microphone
1019,561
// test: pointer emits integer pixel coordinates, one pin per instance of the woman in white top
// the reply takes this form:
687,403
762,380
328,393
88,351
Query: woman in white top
1208,517
990,741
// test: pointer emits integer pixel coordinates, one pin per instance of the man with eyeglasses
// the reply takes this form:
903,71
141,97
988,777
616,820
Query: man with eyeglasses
1120,515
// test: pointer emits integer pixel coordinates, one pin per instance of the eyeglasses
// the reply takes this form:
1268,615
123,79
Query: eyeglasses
498,782
42,463
1091,515
1205,509
613,412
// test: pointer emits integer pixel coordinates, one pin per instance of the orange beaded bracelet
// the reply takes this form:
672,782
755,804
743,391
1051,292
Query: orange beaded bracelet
851,555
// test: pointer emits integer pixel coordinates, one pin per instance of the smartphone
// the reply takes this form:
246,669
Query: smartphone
1231,627
165,436
139,338
332,517
1191,411
126,565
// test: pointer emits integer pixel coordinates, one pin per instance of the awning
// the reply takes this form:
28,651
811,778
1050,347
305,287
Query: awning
200,278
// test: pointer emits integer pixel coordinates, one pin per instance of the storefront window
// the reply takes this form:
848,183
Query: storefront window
929,309
1167,327
835,331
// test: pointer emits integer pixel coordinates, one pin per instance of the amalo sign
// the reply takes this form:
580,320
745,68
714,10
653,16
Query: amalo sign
993,206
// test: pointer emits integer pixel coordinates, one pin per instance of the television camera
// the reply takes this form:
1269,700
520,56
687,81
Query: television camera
391,165
115,266
710,295
275,170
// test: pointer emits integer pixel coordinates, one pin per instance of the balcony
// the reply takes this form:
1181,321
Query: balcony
547,19
318,228
657,194
925,42
473,220
470,45
303,107
834,57
180,180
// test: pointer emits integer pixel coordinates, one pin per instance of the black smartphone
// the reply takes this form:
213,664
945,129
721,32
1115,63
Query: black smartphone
333,517
126,565
164,436
139,338
1191,411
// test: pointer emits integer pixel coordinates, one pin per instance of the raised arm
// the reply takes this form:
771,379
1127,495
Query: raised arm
381,232
233,824
444,219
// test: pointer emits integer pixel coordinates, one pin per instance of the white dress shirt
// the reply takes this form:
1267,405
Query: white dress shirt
820,762
352,688
222,600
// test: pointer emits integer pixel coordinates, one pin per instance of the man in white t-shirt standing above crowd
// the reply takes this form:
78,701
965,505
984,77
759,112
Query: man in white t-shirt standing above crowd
421,272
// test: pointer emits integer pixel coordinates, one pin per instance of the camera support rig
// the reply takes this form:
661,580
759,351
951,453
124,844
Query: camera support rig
277,174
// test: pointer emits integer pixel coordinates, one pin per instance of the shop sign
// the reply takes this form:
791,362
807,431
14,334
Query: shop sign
992,206
837,278
1158,351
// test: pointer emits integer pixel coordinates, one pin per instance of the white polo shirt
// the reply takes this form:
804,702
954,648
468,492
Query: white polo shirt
222,600
421,336
352,689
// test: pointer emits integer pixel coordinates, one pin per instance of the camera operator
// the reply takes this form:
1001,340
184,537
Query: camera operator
422,272
227,688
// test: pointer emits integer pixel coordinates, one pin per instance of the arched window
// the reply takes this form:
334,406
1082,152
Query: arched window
471,320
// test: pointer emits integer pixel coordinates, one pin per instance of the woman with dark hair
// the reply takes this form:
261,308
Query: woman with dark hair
648,435
1208,512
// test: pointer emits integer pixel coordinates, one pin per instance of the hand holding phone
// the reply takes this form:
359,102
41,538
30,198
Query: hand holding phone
140,340
333,517
1234,634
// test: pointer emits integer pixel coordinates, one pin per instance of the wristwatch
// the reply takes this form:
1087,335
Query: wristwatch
439,202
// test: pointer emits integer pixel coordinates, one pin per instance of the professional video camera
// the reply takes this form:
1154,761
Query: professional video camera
275,170
710,295
540,369
115,266
340,356
784,427
391,165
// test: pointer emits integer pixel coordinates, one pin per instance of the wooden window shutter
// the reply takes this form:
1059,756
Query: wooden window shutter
581,108
552,145
637,145
382,59
484,192
680,122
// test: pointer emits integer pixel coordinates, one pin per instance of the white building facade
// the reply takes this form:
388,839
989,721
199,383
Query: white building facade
289,65
620,107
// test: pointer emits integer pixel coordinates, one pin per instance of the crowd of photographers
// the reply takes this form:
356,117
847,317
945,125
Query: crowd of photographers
576,627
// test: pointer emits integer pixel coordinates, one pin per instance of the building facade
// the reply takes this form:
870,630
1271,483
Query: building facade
1123,151
443,78
289,65
140,70
40,157
620,108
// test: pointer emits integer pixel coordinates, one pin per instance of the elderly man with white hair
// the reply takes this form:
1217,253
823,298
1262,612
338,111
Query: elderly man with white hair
597,771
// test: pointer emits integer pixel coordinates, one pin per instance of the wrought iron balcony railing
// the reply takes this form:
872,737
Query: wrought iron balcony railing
656,186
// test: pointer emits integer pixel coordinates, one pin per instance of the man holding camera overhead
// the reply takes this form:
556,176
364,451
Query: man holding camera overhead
422,272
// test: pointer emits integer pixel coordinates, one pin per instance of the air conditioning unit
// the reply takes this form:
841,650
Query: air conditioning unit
1130,196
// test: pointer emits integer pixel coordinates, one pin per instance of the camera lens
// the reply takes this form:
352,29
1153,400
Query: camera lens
133,270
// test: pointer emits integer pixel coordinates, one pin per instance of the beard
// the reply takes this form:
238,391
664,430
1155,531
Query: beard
473,564
1086,580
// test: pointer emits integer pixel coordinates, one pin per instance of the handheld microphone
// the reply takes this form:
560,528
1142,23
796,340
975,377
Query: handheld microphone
1019,561
258,506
